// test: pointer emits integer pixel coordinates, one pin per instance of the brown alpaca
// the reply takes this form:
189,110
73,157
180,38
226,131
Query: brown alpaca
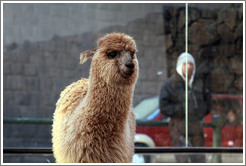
94,120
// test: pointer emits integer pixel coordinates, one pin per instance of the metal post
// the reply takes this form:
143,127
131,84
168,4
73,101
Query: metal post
217,124
186,77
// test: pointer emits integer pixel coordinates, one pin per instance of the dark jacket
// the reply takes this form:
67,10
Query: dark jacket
172,104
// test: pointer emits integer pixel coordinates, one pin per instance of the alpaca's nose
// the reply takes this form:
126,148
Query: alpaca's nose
129,64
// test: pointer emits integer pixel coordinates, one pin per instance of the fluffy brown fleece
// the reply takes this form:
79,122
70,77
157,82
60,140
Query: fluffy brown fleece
94,120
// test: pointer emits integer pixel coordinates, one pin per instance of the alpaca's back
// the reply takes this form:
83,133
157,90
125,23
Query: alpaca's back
69,99
72,95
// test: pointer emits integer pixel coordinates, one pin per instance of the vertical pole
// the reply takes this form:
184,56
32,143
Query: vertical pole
217,124
186,75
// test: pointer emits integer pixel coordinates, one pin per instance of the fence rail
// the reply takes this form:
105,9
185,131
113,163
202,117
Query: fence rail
216,150
49,121
27,121
141,150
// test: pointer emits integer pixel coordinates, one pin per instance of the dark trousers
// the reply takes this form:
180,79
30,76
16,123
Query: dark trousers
195,138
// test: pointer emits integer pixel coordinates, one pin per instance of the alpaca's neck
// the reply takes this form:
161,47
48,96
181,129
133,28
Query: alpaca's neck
108,101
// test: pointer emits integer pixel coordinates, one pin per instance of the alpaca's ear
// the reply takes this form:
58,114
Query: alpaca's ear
84,56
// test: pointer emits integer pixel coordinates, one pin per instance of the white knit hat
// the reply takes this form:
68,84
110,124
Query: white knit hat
181,60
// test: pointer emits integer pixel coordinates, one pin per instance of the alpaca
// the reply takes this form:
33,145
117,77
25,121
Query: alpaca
94,120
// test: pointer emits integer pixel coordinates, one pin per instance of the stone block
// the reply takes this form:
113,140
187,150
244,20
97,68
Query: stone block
7,68
17,68
170,13
239,46
228,16
173,56
50,59
239,30
11,110
29,111
168,41
203,67
226,34
32,83
10,46
22,98
236,65
220,80
8,97
193,15
14,82
49,98
45,83
203,32
34,97
59,83
238,83
44,133
209,14
227,50
36,57
30,70
53,72
180,40
46,111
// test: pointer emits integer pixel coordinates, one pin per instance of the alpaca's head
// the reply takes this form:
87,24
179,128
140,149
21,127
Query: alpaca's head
114,61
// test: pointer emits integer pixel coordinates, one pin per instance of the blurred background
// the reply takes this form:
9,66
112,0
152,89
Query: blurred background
42,43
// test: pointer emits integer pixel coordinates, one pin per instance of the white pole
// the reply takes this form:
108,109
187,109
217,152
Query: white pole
186,76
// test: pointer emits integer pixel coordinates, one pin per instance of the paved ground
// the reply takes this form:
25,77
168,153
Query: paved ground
163,158
226,158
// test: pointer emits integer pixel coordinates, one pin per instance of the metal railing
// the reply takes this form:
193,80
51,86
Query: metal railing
216,125
138,150
49,121
27,121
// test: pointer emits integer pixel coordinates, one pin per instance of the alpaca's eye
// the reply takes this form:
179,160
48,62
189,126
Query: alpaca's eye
112,54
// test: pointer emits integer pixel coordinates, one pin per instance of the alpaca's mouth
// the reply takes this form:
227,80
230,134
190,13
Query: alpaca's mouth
127,73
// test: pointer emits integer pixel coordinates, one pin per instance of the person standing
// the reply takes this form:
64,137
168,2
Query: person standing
172,104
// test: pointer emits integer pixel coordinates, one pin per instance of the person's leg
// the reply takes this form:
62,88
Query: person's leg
178,141
198,141
197,158
182,158
176,128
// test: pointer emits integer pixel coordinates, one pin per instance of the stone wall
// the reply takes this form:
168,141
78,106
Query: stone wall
36,72
40,21
216,41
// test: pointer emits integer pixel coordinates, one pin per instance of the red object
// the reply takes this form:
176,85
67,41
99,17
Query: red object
231,136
